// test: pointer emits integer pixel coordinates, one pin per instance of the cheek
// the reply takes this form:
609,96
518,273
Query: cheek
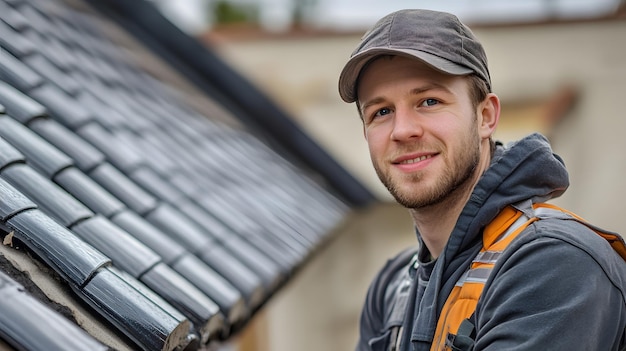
372,144
375,138
376,147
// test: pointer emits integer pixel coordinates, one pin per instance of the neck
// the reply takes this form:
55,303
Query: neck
435,223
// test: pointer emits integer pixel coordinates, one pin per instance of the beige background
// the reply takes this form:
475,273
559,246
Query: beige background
530,65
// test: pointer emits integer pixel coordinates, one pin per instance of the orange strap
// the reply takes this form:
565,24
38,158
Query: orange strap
497,235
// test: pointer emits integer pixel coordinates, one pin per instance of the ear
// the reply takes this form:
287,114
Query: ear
489,115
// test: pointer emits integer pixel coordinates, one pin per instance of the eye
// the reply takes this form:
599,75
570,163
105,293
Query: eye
382,112
429,102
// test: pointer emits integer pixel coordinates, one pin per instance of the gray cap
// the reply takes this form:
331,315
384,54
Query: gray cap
437,38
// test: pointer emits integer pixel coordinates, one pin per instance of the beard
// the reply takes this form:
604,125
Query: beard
458,173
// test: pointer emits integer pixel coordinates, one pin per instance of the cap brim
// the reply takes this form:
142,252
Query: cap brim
351,71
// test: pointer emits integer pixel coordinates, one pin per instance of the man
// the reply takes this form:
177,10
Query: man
422,88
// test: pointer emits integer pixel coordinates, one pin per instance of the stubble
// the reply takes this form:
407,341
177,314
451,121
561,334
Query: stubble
458,172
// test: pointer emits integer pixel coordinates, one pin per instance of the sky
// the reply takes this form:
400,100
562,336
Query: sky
192,16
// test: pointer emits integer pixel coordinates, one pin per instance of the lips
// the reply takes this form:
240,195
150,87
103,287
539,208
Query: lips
410,159
415,160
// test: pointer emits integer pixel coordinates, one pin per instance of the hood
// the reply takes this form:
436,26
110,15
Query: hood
526,169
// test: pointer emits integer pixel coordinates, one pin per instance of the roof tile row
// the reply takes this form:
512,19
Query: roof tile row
173,226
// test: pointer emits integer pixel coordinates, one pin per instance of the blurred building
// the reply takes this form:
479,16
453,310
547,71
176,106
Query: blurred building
152,198
565,78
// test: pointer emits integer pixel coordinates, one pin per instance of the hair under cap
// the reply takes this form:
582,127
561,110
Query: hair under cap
436,38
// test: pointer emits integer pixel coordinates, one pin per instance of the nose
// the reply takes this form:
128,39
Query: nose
406,125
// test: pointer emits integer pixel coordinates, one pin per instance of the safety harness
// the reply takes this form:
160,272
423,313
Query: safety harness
455,330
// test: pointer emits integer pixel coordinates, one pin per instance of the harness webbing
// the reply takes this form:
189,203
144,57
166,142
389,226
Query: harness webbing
511,221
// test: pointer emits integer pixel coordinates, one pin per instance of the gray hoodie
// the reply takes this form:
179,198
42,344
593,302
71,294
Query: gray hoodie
558,286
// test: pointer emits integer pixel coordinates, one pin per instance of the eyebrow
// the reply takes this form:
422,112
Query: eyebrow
371,102
428,87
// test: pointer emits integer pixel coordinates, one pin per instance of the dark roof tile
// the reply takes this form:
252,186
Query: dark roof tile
9,154
17,73
215,286
48,196
270,255
186,264
77,38
52,73
206,220
21,318
104,70
88,82
71,257
179,227
13,42
15,2
58,55
138,312
61,106
125,251
267,220
122,155
185,165
62,55
227,203
187,182
106,115
157,186
137,119
13,201
241,276
184,231
228,214
90,65
139,261
90,193
20,106
203,312
85,156
35,19
158,156
270,262
124,189
169,250
63,30
39,153
12,17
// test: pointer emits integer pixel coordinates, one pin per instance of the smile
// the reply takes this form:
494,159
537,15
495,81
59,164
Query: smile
415,160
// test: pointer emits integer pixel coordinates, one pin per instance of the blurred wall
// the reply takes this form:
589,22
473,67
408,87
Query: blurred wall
529,65
531,61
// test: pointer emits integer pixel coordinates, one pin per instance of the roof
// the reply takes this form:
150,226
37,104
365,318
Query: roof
171,217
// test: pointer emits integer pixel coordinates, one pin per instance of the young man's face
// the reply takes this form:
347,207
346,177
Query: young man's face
421,129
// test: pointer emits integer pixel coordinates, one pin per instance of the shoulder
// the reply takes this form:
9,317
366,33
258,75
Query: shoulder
584,242
389,276
566,247
380,298
556,278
